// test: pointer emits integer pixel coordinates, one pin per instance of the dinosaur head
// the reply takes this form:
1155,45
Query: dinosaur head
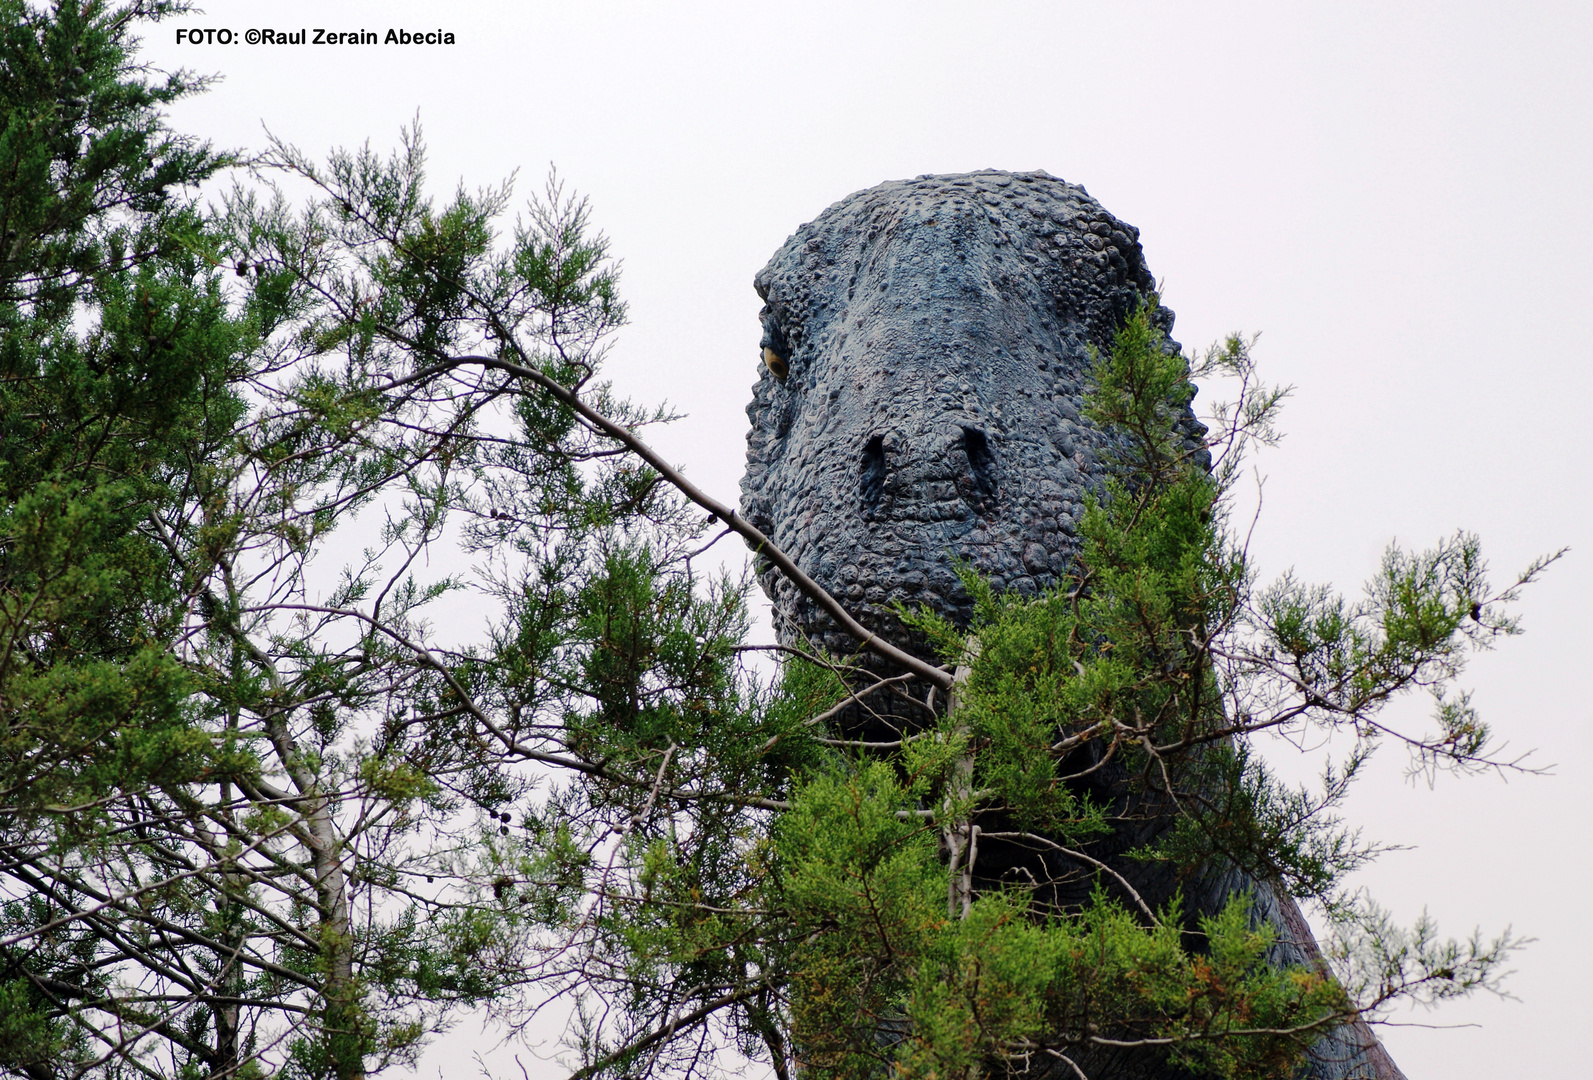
925,349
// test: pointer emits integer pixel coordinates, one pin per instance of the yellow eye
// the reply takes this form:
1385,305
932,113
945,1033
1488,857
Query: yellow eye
776,363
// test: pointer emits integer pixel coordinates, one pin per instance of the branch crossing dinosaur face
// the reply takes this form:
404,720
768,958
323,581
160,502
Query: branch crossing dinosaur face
924,354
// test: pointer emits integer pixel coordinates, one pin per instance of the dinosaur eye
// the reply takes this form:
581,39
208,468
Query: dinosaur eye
773,348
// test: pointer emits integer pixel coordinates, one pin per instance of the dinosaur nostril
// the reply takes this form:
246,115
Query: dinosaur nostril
981,469
871,484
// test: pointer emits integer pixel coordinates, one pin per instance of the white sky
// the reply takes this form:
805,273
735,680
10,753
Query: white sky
1397,194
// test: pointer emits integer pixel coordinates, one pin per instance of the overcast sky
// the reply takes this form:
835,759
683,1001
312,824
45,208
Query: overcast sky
1397,195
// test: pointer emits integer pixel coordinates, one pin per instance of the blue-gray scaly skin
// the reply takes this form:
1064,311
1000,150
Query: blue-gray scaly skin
926,345
934,334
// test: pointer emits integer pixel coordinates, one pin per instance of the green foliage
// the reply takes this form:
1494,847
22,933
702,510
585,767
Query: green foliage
98,423
883,976
89,165
115,352
865,894
222,799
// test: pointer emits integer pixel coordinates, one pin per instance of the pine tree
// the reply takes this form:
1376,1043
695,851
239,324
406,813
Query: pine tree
114,357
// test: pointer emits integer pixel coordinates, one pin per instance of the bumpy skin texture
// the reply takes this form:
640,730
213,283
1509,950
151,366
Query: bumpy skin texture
935,332
925,351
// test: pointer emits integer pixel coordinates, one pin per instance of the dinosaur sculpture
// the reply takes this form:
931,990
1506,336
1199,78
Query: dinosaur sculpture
925,349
